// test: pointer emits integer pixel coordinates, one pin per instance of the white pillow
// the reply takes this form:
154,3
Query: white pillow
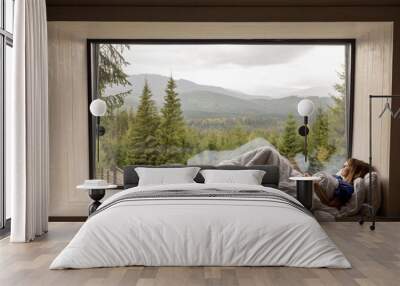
166,176
248,177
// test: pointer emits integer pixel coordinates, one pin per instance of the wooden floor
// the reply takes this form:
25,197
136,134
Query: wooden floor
375,257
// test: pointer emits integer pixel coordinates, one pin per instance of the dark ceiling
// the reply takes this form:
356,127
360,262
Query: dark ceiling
216,3
223,10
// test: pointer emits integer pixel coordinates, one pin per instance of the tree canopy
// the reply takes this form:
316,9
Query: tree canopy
141,144
111,72
290,143
171,134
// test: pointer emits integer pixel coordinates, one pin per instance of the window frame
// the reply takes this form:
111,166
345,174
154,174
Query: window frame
349,43
6,39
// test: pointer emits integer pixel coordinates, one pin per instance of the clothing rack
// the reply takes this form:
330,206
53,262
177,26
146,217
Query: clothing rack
368,204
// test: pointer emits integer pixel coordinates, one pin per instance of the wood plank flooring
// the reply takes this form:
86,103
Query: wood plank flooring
375,257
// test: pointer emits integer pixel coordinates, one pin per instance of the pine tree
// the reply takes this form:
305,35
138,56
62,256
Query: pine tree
273,139
141,141
111,72
171,135
116,126
319,136
290,142
320,148
337,115
121,124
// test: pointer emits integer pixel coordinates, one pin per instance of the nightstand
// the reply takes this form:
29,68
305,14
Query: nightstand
304,186
96,193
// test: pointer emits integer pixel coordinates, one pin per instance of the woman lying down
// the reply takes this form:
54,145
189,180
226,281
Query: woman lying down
339,196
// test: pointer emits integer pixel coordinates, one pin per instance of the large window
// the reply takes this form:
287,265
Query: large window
6,63
202,102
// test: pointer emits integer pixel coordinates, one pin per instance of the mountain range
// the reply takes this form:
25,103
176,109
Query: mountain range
204,101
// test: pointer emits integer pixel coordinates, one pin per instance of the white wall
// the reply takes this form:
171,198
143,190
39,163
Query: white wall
68,84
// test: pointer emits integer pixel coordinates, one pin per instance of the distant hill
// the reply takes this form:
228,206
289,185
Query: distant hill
158,83
288,104
213,103
316,91
202,101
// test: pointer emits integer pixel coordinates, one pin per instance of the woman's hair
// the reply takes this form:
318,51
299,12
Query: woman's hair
357,169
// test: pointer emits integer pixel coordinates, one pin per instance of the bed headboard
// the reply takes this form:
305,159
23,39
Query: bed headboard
270,179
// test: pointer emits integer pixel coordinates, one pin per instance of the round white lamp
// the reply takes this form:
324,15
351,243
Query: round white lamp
98,107
305,108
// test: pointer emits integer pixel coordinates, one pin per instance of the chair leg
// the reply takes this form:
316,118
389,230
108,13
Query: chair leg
372,211
361,220
372,226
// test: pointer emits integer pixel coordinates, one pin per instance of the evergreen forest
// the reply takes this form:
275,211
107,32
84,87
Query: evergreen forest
150,135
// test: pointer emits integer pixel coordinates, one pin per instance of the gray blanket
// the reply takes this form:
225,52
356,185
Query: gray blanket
269,156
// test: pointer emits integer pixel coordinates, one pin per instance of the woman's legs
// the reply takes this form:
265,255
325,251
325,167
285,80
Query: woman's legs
335,202
321,194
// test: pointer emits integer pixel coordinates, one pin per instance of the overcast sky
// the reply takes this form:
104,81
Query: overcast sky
253,69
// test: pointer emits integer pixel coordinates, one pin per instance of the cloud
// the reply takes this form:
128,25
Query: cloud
254,69
256,55
207,55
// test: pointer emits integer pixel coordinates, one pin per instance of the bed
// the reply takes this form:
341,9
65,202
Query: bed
201,224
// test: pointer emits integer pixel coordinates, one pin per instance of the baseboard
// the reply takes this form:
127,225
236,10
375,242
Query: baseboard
84,218
5,231
378,218
67,218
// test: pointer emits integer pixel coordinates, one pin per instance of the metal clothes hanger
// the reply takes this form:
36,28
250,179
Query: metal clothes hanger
387,107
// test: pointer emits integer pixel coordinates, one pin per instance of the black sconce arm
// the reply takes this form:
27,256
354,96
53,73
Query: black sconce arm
303,131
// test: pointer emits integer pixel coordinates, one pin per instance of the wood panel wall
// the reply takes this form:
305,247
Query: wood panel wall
374,58
68,85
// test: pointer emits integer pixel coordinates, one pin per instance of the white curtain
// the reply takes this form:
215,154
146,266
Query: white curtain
27,148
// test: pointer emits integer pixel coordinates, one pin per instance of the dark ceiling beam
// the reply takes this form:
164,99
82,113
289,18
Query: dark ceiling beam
222,14
222,3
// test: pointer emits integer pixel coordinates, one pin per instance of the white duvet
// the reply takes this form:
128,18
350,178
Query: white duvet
200,231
